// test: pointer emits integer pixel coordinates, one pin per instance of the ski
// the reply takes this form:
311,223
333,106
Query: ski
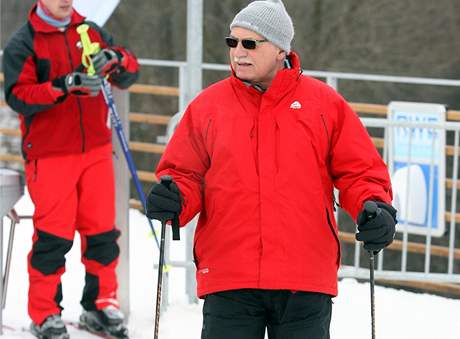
9,328
73,324
81,327
28,330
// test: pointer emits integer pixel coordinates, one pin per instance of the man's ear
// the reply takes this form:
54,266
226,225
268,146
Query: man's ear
281,55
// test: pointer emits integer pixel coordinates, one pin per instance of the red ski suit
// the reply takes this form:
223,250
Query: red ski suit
261,167
37,54
68,152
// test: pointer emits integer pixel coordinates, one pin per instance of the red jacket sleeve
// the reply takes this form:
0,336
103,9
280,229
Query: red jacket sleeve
357,169
186,159
23,92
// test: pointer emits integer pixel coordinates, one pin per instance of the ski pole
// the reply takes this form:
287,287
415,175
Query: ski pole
372,282
165,180
372,210
91,48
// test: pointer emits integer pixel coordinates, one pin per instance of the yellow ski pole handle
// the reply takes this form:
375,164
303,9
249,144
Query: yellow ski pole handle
166,267
89,48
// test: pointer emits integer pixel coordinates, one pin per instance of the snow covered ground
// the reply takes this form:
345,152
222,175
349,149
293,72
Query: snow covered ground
400,315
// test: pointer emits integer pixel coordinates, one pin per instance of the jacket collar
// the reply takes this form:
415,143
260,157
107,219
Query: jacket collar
41,26
283,82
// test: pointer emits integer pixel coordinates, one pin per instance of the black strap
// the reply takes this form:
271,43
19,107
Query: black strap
166,180
175,228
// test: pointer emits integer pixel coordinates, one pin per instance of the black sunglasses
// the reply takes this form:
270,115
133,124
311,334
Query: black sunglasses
247,43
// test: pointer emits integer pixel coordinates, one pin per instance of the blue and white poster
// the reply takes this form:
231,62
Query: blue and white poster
417,167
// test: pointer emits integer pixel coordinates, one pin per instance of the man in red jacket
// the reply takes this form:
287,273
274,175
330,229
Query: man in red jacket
258,155
66,144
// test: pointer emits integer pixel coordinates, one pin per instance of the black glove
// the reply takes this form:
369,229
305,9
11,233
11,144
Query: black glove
376,227
164,201
106,61
79,84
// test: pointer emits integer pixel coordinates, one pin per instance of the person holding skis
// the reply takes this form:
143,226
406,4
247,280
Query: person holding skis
66,144
258,155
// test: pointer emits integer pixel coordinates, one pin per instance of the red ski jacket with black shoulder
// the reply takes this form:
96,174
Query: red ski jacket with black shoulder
53,125
261,167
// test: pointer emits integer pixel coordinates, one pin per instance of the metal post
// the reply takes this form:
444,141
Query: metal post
453,205
122,201
333,82
1,272
385,156
2,21
406,216
430,204
11,189
194,47
183,88
191,83
9,254
2,24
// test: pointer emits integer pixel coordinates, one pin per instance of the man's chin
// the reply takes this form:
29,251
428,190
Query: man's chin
63,14
244,77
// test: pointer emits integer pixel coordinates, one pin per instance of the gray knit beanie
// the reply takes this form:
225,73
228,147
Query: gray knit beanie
269,19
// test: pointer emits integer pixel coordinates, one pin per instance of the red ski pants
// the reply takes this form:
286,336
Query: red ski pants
72,193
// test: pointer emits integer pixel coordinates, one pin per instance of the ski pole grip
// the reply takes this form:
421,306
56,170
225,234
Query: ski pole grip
371,209
89,48
166,180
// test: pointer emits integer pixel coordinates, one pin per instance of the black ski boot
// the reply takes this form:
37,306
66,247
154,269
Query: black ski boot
52,328
107,323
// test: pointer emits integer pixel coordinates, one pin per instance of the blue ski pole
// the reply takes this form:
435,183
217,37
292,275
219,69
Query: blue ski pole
89,49
124,146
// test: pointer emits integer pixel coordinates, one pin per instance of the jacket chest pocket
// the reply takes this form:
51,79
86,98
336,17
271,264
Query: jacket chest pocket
312,137
301,154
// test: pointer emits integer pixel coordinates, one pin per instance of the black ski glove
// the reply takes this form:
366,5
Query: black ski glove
377,229
164,201
106,61
78,83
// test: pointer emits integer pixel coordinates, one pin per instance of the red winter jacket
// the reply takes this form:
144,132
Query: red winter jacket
51,125
260,167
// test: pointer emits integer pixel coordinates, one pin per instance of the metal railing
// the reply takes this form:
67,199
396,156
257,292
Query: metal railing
332,78
426,249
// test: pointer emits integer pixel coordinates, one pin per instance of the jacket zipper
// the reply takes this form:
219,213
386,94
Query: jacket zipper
83,139
335,204
27,123
335,236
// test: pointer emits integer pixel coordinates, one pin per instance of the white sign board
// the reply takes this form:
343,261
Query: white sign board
97,11
417,166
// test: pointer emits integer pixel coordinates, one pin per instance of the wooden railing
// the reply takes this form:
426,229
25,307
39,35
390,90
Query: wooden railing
157,119
345,237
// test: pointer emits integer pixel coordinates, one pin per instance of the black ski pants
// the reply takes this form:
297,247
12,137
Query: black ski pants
246,313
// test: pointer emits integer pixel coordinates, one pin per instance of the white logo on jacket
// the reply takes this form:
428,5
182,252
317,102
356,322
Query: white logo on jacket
296,105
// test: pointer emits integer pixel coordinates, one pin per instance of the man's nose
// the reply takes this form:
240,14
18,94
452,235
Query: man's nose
239,50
